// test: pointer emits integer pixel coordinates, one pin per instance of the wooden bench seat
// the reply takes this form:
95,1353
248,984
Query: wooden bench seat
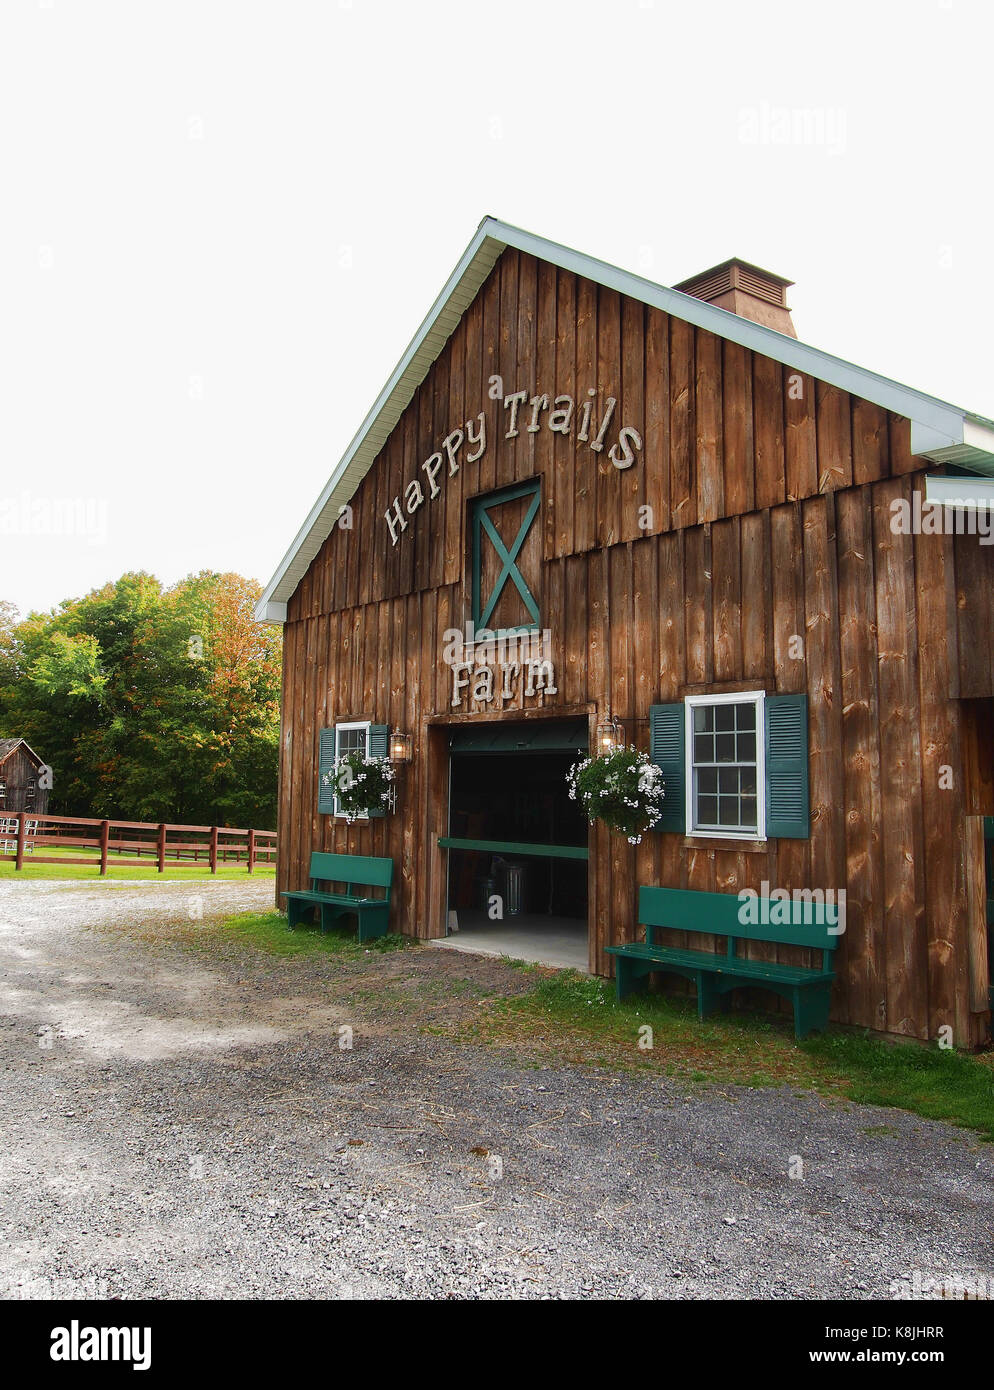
809,924
355,871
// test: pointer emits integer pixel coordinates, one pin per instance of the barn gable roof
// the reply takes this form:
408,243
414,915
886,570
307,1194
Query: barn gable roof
940,432
8,745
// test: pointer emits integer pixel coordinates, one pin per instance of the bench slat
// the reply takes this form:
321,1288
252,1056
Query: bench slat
311,895
718,914
723,965
352,868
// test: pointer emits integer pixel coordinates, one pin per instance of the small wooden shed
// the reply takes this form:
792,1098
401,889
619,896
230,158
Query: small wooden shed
772,569
22,785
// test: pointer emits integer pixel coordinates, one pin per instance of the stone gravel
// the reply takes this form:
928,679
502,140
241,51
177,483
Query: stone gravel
176,1125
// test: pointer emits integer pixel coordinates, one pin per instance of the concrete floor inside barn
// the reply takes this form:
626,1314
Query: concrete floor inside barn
532,936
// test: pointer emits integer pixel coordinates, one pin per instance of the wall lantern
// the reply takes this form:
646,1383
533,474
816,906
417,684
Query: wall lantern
610,735
400,747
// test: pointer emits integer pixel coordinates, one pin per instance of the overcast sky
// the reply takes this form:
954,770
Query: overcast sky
223,221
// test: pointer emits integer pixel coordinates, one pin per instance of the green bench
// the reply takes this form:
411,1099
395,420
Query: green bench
355,871
717,914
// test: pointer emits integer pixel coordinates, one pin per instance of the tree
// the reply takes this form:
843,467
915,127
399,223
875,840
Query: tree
150,704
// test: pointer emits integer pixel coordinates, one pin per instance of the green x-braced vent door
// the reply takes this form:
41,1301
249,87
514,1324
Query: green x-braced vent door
507,559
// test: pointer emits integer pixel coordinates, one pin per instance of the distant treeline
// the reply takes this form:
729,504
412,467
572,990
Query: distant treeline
148,703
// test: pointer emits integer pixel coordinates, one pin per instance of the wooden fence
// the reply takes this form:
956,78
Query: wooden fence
141,842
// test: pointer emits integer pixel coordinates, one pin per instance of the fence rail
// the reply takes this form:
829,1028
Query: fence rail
23,833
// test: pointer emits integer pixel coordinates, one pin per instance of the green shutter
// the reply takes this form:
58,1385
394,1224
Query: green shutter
326,761
379,747
666,749
787,801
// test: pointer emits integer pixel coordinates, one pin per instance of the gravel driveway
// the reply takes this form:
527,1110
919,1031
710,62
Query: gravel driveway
181,1126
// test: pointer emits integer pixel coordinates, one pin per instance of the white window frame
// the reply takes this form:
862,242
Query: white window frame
738,697
365,724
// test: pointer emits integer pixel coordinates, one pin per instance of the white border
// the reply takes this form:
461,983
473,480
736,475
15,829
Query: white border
355,724
736,697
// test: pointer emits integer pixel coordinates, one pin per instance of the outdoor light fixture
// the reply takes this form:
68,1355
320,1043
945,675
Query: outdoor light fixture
610,735
400,747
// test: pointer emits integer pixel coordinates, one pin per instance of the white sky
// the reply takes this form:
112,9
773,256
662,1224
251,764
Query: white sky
222,222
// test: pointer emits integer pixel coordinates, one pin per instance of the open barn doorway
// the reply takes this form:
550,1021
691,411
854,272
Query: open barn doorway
517,844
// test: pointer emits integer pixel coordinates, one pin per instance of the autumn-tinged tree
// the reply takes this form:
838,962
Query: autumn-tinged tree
150,704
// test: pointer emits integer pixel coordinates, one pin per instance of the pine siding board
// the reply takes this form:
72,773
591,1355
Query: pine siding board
683,488
943,809
870,442
708,422
452,568
490,365
834,427
631,411
800,435
824,677
559,493
739,488
543,442
621,634
508,367
900,772
865,977
609,369
768,431
728,598
657,420
585,478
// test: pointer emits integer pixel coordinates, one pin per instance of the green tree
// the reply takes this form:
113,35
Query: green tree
150,703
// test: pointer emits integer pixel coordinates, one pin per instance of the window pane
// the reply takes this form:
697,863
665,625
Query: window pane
707,810
728,811
724,716
747,748
701,724
749,812
728,781
707,781
745,716
724,748
703,748
748,781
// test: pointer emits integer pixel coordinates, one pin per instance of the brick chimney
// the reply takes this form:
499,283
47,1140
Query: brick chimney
746,290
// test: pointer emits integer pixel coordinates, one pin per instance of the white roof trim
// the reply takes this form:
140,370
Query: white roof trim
960,492
939,431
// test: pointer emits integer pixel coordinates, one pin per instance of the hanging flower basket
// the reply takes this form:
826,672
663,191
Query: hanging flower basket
622,788
362,785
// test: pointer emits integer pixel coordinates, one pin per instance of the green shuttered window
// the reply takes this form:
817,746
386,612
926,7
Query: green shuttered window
714,774
372,739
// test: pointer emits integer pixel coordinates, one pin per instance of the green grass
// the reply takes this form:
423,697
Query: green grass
148,870
939,1083
580,1016
268,931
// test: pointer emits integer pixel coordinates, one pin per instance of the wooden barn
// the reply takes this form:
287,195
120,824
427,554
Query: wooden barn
23,787
770,567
